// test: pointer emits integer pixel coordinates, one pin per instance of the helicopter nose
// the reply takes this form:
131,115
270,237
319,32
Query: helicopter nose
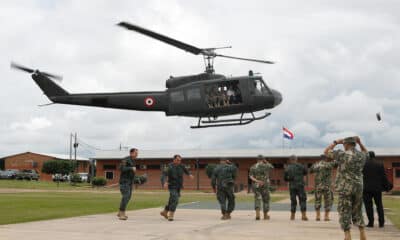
277,97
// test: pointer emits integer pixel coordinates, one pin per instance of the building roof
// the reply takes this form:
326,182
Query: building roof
56,156
232,153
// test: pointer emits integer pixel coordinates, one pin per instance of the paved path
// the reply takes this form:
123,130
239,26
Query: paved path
189,224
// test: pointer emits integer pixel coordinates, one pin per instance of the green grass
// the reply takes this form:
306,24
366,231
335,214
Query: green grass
43,185
393,209
34,206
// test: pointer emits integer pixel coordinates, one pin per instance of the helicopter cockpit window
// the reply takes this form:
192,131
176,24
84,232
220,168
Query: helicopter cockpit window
193,94
177,96
223,94
259,87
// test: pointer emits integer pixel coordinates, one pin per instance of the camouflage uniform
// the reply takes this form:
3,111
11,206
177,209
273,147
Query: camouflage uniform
223,180
294,174
349,185
126,181
323,184
175,184
260,171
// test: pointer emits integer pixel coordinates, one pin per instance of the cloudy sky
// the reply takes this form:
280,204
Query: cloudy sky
337,66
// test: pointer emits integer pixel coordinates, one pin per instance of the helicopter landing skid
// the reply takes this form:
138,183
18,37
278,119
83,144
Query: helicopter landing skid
228,122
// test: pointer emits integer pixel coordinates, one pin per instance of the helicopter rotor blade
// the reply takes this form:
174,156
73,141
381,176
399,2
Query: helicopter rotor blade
29,70
162,38
245,59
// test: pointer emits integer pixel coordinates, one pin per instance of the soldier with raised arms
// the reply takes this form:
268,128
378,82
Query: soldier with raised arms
349,182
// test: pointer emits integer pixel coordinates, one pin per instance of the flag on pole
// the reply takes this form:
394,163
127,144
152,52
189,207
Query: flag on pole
287,133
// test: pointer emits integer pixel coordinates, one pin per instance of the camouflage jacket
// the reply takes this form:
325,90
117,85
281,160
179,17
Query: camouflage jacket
175,175
260,171
323,174
294,174
127,175
350,167
224,175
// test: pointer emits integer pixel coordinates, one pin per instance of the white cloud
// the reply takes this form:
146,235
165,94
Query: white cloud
34,124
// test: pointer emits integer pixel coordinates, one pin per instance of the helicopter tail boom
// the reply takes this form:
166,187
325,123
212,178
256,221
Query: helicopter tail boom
49,87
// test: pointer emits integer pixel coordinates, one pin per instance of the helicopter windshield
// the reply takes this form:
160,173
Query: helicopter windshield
259,86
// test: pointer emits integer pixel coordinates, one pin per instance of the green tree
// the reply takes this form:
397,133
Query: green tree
62,167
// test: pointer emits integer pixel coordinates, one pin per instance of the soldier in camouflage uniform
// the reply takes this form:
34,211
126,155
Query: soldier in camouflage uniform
349,183
223,182
323,184
294,174
126,179
259,174
173,178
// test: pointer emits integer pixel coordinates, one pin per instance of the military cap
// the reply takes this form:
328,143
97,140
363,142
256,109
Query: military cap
350,140
260,157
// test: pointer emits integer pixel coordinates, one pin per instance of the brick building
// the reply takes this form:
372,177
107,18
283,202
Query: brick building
31,160
151,161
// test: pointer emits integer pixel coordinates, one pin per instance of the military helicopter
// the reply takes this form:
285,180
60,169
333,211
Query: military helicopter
206,96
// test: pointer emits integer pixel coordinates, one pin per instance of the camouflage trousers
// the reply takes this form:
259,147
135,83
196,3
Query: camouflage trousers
298,192
350,208
226,199
174,195
261,194
126,192
327,194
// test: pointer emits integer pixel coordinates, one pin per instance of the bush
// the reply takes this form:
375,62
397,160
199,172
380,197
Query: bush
99,181
210,169
395,192
75,178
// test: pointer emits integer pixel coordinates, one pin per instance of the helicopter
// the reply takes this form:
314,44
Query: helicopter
206,96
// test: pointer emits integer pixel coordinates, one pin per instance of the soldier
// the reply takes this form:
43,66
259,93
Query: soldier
127,176
174,181
259,174
294,174
349,182
323,184
223,181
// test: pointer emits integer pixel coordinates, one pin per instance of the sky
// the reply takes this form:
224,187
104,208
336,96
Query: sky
336,67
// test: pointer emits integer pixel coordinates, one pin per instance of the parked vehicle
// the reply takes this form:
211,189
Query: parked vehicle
28,174
84,177
8,174
60,177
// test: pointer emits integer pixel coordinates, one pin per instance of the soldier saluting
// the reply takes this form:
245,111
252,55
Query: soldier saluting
323,184
259,174
349,182
126,178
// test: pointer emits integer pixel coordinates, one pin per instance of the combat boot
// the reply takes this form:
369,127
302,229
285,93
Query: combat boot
164,213
362,233
327,216
292,215
266,216
122,216
223,216
347,235
318,217
304,216
257,214
171,216
228,216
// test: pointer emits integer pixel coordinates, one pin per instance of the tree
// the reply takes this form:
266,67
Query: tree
62,167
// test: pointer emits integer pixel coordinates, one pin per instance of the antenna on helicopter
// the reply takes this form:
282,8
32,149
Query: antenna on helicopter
208,53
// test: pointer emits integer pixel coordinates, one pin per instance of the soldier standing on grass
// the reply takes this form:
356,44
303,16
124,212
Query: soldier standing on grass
259,174
223,182
127,176
349,183
174,181
294,174
323,184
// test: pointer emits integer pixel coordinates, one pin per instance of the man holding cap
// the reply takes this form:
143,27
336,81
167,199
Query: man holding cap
349,182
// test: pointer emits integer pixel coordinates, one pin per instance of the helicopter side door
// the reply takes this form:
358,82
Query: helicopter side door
186,101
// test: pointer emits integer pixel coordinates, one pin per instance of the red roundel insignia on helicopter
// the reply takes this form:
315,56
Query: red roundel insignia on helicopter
149,101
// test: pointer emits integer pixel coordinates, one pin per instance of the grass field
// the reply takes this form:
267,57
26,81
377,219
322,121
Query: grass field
24,184
392,209
33,206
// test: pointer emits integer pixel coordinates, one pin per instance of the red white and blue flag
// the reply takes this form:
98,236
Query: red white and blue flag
287,133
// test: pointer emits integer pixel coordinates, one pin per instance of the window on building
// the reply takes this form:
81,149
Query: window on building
110,167
34,164
202,165
109,175
154,166
397,173
143,166
396,164
278,165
